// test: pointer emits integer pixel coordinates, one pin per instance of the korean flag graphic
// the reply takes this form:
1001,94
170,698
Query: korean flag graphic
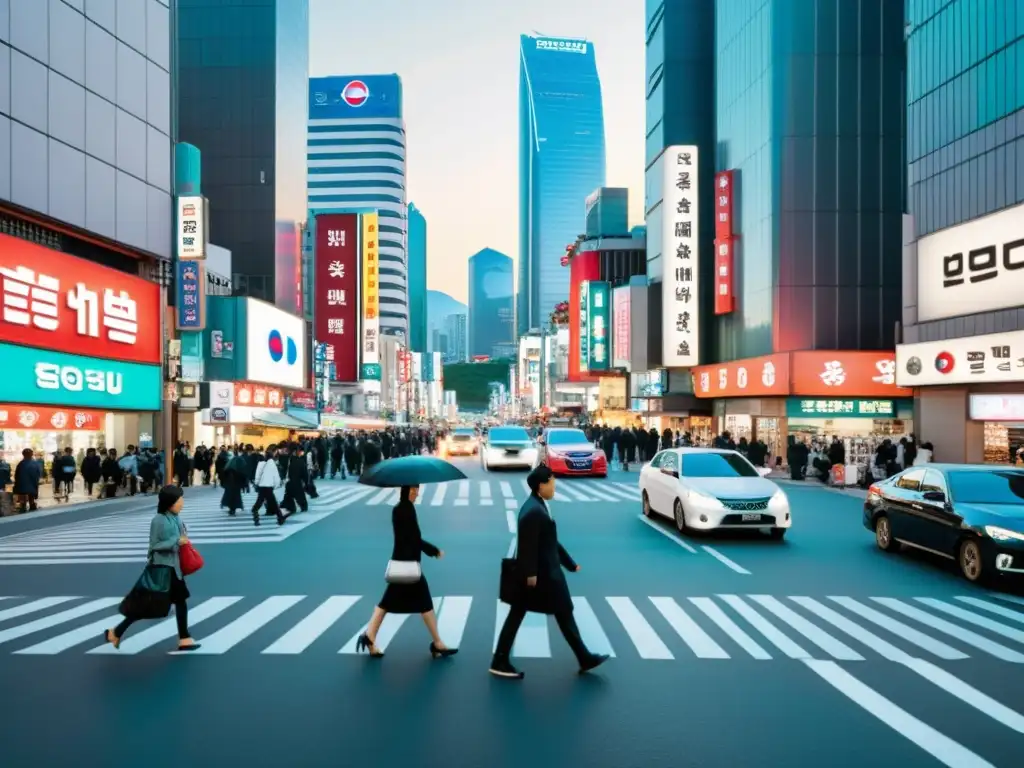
282,348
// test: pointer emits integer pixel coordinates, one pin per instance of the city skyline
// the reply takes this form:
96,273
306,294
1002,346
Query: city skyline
470,199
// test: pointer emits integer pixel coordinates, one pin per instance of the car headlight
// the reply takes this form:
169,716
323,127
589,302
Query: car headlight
598,455
1003,534
704,498
779,498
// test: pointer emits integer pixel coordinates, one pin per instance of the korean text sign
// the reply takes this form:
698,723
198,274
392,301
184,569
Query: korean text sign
41,417
371,289
845,373
599,330
992,358
336,305
584,325
753,377
190,286
620,321
680,257
725,243
55,301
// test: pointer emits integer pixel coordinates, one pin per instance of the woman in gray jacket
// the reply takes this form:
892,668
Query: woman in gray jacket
163,569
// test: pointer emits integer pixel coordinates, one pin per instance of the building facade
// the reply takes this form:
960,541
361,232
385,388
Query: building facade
356,162
417,258
561,161
963,291
490,303
457,345
242,92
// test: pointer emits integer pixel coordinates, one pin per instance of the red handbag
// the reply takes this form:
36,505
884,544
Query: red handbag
189,559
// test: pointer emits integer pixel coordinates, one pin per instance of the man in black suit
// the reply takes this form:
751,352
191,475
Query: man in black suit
539,562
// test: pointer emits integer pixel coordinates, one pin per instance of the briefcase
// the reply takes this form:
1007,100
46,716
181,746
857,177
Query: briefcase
512,584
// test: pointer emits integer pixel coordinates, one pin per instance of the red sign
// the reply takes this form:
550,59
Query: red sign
336,283
723,205
303,399
620,327
50,419
258,395
754,377
725,299
55,301
355,93
846,374
404,366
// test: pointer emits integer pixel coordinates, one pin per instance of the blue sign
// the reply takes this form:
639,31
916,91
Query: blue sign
355,96
190,306
370,372
41,377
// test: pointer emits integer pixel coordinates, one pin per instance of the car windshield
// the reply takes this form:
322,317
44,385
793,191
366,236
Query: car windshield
509,435
717,465
567,437
995,487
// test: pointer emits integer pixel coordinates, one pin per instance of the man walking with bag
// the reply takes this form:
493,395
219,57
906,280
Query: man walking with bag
534,581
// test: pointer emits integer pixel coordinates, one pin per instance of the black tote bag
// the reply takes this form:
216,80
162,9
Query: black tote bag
511,585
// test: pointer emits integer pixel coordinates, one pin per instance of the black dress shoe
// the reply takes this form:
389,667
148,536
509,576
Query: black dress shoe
504,668
595,661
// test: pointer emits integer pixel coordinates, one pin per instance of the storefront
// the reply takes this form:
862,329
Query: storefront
301,406
80,348
813,396
246,412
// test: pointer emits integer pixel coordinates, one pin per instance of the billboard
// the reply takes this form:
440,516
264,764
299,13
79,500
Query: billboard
371,290
275,346
584,345
989,359
680,279
335,291
598,326
354,96
621,325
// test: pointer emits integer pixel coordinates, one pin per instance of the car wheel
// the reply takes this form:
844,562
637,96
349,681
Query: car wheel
648,512
970,560
778,534
883,534
680,516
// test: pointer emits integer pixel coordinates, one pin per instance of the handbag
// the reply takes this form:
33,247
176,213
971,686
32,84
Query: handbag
403,572
511,585
189,559
150,597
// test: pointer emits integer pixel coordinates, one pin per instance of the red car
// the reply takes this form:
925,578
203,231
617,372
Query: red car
569,452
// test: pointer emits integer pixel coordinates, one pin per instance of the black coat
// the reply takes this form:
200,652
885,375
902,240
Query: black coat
539,554
409,545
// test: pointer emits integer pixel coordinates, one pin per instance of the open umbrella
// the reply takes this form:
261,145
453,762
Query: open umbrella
411,470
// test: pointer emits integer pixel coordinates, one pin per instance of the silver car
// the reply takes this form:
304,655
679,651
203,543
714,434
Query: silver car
508,446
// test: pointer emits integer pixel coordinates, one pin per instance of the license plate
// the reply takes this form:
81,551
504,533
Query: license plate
751,518
511,452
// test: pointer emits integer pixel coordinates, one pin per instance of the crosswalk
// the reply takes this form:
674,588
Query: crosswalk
657,628
124,537
489,493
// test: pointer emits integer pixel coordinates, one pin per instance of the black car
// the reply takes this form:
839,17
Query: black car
972,514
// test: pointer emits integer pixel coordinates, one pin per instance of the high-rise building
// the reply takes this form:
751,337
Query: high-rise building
417,260
455,328
490,302
242,101
561,161
356,160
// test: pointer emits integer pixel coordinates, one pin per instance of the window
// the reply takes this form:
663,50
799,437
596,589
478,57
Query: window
912,480
567,437
934,481
509,435
717,465
671,461
998,487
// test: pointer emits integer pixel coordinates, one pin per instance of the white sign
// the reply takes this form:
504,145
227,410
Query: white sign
976,267
981,359
53,376
568,46
997,408
275,346
192,229
680,258
222,394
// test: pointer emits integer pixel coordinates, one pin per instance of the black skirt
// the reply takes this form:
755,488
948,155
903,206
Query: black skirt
407,598
179,590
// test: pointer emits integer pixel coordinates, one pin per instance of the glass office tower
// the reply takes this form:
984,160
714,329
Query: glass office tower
417,258
490,303
561,161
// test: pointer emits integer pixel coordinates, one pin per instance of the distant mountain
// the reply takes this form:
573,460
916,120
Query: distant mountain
439,306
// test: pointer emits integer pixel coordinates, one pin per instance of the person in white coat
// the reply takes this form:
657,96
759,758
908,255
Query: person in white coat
924,454
267,480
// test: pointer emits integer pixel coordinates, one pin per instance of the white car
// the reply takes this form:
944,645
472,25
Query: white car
705,489
462,442
508,446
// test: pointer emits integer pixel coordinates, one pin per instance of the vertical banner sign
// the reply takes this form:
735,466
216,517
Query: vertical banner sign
620,326
584,326
190,285
681,259
598,306
335,308
725,295
371,295
193,229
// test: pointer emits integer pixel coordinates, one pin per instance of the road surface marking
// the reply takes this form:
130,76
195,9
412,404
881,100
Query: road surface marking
726,561
228,637
616,494
825,641
640,632
968,694
506,490
56,619
77,636
532,641
380,497
511,504
513,521
727,625
306,632
438,499
998,610
901,630
700,642
463,499
166,629
973,618
963,635
765,627
938,745
36,605
453,613
1007,598
882,647
590,628
671,537
512,548
388,629
485,494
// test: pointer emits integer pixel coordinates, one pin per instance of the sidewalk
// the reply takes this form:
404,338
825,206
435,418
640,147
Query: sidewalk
79,502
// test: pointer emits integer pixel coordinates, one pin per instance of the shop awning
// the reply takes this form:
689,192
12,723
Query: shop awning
277,419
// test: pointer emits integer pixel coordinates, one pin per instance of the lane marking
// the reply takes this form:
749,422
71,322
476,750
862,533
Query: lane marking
453,614
821,638
901,630
226,638
438,499
388,629
731,628
53,620
164,630
532,642
700,642
380,497
641,633
512,520
303,634
666,534
512,548
726,561
998,610
506,489
36,605
973,618
772,634
882,647
463,499
590,628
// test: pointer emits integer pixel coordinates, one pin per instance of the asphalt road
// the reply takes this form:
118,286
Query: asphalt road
729,651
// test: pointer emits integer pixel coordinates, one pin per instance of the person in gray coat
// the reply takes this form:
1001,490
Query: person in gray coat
539,563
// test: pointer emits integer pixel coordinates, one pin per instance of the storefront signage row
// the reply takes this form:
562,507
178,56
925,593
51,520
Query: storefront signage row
995,357
830,409
828,374
50,419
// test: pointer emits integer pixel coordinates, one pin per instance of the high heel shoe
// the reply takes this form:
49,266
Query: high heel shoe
442,653
365,644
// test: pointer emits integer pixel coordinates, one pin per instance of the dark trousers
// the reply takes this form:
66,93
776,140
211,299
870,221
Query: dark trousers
566,624
294,494
266,496
180,617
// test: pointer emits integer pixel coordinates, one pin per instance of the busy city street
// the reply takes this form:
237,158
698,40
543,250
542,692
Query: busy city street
819,649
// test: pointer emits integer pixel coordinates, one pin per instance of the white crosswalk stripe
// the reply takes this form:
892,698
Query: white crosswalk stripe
657,628
124,537
484,493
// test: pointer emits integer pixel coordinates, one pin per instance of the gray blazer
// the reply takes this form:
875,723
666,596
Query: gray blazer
164,532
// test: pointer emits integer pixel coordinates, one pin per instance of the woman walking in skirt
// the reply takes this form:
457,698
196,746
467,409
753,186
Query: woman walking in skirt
410,596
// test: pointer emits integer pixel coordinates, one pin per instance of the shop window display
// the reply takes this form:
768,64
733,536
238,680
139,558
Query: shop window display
860,437
1004,443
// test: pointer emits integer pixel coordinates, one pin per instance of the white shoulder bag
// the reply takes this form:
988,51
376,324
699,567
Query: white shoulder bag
403,572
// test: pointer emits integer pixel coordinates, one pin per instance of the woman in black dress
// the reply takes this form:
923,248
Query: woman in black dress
407,598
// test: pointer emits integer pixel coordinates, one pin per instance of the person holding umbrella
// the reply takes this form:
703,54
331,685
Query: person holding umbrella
407,590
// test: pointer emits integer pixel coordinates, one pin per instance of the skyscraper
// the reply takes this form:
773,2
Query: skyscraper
490,302
241,98
356,160
417,259
561,161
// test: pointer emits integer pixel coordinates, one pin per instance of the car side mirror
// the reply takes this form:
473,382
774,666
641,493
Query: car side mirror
936,496
670,473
